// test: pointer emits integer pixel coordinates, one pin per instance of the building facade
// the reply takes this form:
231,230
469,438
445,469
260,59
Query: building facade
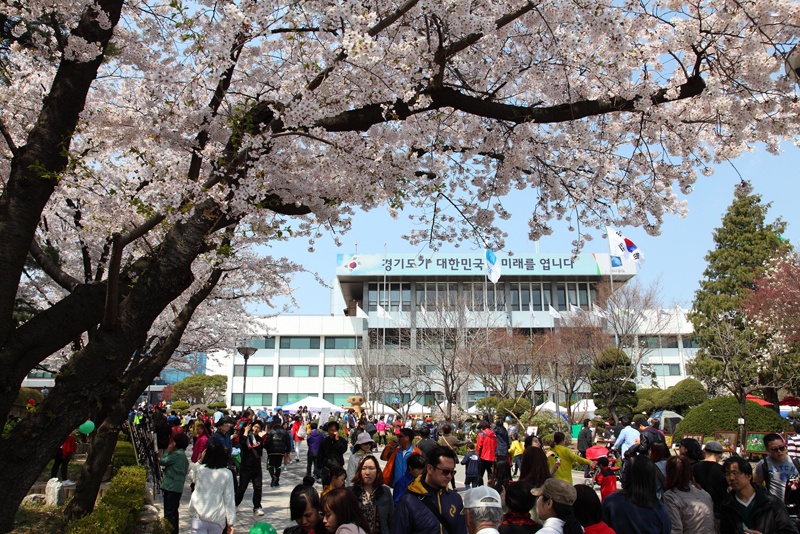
301,355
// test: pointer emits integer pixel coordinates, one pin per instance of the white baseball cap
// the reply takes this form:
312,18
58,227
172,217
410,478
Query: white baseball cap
482,497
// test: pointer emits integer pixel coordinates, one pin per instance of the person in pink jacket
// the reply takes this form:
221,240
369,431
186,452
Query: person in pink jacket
382,429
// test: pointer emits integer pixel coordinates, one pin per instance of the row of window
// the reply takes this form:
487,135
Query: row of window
666,369
479,296
41,374
258,400
293,370
306,342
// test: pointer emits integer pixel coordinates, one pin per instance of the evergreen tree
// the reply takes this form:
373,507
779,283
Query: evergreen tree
743,246
613,389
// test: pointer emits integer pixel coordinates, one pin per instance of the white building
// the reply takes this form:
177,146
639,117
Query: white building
301,355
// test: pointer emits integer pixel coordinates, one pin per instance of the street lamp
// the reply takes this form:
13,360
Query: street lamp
246,352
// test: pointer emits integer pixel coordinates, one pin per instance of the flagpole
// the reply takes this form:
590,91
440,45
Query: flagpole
386,295
610,264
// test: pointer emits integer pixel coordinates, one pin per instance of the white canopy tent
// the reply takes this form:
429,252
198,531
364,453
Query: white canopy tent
315,404
416,408
584,409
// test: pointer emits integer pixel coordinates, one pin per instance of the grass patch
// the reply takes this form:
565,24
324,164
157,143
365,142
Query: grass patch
40,519
118,511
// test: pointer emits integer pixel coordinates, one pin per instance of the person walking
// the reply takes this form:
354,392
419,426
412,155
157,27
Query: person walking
426,444
555,507
278,443
176,466
299,433
428,506
382,429
690,509
567,458
373,496
252,449
453,443
749,508
396,456
304,509
483,510
201,441
708,474
363,446
584,442
516,450
487,449
212,506
331,450
62,457
314,440
341,513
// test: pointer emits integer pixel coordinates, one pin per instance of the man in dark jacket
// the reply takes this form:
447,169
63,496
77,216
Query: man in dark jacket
314,440
426,444
584,442
429,507
332,449
278,443
750,504
251,446
361,427
222,432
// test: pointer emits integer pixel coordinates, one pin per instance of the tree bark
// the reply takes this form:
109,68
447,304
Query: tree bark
771,395
95,371
133,383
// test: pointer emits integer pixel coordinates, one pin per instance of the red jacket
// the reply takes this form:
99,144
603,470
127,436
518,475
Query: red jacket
295,428
598,528
607,479
487,444
68,447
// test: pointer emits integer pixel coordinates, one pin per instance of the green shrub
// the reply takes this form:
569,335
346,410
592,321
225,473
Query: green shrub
645,398
118,511
179,405
26,394
722,413
793,415
217,405
685,394
124,455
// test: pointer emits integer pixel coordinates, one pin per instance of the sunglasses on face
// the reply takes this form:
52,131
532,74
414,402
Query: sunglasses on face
778,449
447,472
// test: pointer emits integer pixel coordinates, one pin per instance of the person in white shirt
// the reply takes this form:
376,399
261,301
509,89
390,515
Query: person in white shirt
484,510
554,507
212,506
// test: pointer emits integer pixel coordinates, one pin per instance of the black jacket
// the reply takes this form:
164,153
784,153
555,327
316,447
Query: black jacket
769,515
384,507
277,441
503,441
252,447
584,439
331,452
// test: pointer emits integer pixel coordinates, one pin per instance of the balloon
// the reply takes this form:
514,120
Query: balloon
31,402
86,428
262,528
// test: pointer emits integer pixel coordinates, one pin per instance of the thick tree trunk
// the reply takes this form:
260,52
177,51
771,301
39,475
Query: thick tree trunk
771,395
742,427
95,371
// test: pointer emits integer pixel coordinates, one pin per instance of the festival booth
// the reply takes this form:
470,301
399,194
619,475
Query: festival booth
314,404
668,420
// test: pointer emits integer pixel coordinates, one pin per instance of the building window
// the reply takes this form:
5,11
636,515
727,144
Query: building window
649,342
561,292
390,399
667,369
339,399
253,370
299,371
391,296
254,400
669,342
396,338
299,342
342,342
441,295
690,343
338,370
287,398
266,342
38,373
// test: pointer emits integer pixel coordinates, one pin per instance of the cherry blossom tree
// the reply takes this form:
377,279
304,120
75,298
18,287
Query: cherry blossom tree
150,143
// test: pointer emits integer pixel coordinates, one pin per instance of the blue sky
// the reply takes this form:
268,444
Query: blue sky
676,256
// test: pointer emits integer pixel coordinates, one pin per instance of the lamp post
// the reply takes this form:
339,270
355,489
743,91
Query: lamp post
246,352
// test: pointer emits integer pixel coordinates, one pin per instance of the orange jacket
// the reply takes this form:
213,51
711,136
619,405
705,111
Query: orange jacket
388,455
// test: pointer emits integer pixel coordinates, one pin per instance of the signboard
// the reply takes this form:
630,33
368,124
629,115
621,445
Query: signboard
474,264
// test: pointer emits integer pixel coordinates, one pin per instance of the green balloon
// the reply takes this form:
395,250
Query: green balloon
262,528
86,428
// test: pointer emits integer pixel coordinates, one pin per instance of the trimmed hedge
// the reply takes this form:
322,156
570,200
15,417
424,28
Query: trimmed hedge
118,511
722,413
25,394
179,405
124,455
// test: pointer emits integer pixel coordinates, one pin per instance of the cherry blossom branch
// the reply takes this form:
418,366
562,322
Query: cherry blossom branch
110,318
52,270
391,19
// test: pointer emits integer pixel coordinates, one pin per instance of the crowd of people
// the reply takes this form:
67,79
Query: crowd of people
396,481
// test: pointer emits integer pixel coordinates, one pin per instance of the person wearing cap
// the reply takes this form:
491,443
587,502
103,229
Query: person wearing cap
362,446
708,474
483,509
554,507
429,506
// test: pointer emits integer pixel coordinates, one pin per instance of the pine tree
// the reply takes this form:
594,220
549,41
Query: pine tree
730,356
613,389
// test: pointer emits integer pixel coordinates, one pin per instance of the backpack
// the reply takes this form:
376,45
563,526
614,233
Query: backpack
302,432
791,493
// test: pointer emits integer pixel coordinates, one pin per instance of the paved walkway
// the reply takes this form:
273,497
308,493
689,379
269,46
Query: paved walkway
275,501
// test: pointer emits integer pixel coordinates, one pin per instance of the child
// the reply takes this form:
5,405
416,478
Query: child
607,478
516,451
473,463
335,479
415,467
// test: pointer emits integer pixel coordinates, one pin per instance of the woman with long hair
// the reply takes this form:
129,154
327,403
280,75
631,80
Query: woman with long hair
305,510
335,478
212,506
691,450
534,468
519,502
658,455
374,498
690,509
636,508
589,511
341,513
554,507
